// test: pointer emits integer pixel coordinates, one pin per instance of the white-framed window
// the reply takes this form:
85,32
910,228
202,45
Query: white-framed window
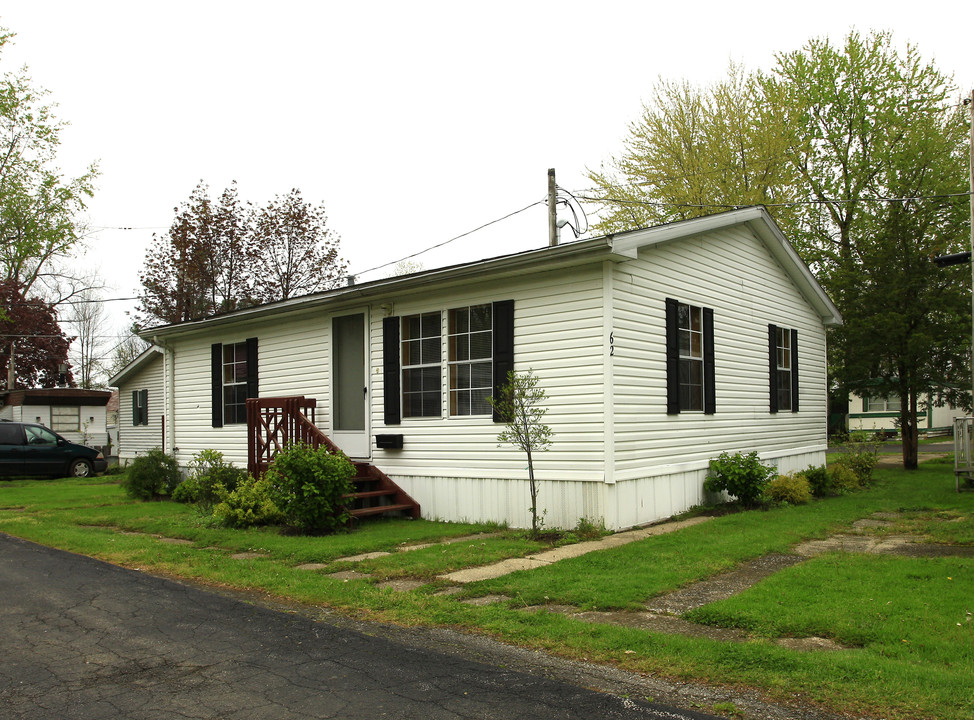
882,404
783,374
234,383
469,356
65,418
422,359
690,337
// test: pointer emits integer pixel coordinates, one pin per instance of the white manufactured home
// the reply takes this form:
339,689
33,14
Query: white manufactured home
658,349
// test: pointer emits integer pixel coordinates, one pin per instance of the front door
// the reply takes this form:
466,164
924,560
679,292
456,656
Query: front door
349,391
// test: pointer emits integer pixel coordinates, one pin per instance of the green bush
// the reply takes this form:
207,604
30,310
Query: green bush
819,481
861,461
742,476
844,480
789,489
309,487
250,504
150,474
212,479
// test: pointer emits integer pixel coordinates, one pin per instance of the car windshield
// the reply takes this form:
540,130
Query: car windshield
37,435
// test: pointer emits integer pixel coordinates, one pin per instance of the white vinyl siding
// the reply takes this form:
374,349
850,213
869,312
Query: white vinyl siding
732,272
557,334
134,440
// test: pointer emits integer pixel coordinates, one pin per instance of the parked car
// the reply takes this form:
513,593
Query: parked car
29,449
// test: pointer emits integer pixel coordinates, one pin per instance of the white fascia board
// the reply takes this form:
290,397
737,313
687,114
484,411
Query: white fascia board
529,262
137,364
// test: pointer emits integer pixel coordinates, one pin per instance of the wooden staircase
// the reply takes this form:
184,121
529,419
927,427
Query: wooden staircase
376,495
273,423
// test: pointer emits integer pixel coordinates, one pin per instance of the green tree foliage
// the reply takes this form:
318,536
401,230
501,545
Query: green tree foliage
39,207
520,408
859,151
29,332
222,255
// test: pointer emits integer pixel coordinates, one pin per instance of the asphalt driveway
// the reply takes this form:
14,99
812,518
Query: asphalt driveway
85,640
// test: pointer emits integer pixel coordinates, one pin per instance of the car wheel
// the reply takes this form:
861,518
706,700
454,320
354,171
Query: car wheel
81,468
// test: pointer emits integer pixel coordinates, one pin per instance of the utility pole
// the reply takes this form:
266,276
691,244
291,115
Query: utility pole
11,371
552,209
970,106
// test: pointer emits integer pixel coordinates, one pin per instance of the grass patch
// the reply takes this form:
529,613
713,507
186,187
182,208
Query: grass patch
907,619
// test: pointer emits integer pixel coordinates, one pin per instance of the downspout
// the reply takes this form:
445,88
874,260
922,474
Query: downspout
169,389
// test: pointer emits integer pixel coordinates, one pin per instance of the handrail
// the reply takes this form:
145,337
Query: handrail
273,423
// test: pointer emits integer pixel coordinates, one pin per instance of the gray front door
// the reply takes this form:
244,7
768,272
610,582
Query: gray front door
350,393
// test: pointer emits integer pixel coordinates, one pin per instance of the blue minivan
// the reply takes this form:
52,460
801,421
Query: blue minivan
28,449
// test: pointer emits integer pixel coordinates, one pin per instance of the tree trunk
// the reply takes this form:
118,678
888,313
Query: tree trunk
534,495
909,429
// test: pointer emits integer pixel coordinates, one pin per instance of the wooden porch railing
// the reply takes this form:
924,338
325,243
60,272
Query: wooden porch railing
273,423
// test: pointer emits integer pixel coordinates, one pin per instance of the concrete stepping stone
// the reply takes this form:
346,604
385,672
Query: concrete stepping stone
175,541
363,556
248,555
311,566
349,575
402,585
486,600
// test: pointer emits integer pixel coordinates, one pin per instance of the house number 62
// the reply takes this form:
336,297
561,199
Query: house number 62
612,344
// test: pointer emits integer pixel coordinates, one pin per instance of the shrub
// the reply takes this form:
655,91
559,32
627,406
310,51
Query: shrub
742,476
150,474
212,479
862,462
789,489
844,480
251,503
309,487
819,481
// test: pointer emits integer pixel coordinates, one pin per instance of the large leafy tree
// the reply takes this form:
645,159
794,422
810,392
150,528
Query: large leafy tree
299,252
39,207
224,255
859,151
32,338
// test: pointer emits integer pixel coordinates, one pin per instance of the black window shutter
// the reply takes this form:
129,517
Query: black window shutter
136,416
253,387
503,349
216,383
773,367
709,376
144,406
390,371
794,371
672,358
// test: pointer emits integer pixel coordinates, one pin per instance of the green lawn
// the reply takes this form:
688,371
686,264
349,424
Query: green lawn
906,622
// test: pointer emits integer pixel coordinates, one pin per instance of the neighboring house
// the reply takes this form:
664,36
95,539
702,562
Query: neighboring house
883,413
658,348
141,405
75,414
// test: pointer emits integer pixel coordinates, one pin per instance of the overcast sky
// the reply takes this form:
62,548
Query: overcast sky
413,122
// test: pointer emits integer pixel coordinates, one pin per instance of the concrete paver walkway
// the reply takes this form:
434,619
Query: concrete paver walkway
505,567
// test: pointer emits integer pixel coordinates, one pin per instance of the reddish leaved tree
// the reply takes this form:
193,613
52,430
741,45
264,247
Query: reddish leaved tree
29,333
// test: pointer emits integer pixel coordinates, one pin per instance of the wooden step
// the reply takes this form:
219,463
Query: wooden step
370,494
379,509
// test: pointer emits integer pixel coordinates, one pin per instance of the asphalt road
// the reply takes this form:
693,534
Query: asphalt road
84,640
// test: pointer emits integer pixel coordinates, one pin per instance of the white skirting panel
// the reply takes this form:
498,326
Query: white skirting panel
625,504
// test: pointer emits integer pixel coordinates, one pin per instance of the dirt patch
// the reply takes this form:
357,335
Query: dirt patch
721,586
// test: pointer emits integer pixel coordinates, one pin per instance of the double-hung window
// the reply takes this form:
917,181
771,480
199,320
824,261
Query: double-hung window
422,357
690,324
233,377
470,340
783,368
234,383
690,375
